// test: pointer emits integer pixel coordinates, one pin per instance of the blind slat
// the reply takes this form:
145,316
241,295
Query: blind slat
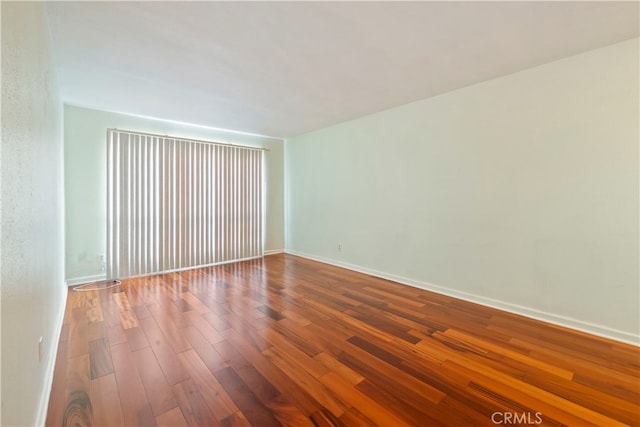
174,204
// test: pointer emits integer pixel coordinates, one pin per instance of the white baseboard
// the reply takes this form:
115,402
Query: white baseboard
273,252
86,279
98,277
582,326
41,417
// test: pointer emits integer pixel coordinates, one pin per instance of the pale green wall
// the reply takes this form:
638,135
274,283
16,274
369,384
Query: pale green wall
31,261
85,133
522,189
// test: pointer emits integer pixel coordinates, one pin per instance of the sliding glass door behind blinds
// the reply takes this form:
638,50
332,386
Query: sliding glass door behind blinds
176,203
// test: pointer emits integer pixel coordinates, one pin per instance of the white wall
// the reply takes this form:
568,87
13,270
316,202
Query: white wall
85,133
32,275
520,192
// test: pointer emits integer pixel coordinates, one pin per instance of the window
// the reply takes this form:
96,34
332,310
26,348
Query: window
176,203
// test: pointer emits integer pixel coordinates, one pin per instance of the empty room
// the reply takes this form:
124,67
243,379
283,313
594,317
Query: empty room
320,213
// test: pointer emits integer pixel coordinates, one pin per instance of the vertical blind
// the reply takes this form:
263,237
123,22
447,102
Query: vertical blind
176,203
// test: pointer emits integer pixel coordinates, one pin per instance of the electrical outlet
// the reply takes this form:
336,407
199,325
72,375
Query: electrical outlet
40,349
339,247
103,264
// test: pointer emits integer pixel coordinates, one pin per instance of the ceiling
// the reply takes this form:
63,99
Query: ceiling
285,68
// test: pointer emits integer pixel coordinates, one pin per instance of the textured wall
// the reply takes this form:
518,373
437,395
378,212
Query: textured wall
32,275
522,190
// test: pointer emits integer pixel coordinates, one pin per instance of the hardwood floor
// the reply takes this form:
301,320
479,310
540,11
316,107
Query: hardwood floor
288,341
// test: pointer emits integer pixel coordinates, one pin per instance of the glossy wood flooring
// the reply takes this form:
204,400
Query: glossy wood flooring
288,341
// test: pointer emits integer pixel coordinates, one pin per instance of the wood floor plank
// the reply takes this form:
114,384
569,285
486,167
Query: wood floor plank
198,306
360,401
116,335
106,402
257,383
193,406
289,351
236,419
279,379
110,309
213,393
385,375
206,329
294,334
78,329
142,311
173,371
524,358
168,327
94,309
255,412
158,390
324,418
127,316
289,341
209,356
374,350
534,398
314,387
171,418
133,397
100,358
286,412
395,403
217,321
343,371
470,412
78,407
355,418
597,399
136,338
270,312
